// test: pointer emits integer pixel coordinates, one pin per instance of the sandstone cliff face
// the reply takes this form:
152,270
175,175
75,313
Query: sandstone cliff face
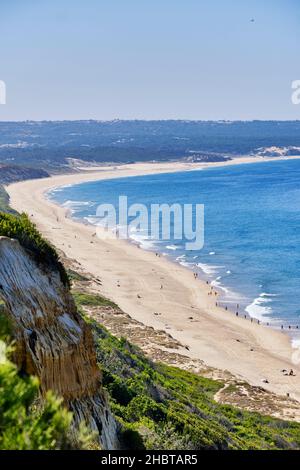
52,340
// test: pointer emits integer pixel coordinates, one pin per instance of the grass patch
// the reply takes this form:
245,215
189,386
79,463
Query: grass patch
75,276
92,300
164,407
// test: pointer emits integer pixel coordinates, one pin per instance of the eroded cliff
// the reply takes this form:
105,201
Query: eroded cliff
52,340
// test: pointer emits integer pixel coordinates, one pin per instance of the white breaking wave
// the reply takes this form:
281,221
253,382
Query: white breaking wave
208,269
258,308
296,343
180,257
264,294
143,241
171,247
59,188
74,204
186,264
231,296
92,220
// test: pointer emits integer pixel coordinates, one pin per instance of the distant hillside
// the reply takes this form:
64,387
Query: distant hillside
278,151
12,173
50,144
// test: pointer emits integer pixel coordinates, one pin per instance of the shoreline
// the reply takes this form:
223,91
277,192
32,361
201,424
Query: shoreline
222,289
131,277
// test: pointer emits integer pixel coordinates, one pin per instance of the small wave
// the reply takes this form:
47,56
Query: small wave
144,242
217,284
212,252
74,204
134,229
186,264
92,220
258,309
171,247
208,269
264,294
296,343
58,189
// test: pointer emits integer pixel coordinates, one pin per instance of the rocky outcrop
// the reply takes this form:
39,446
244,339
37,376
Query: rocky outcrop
52,340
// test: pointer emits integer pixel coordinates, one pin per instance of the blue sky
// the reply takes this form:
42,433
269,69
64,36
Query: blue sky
149,59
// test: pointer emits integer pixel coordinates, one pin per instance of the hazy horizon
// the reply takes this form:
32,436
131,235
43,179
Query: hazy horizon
195,61
220,121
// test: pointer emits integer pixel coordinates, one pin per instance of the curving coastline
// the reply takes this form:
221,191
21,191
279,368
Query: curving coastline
249,351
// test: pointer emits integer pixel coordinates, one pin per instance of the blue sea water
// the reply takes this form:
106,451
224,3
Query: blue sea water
252,229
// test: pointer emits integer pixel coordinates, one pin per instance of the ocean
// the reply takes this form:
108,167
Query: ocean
252,230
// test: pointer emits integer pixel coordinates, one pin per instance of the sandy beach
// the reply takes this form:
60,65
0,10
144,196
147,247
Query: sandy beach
132,277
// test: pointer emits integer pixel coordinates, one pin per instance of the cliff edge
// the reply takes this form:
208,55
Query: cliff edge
52,340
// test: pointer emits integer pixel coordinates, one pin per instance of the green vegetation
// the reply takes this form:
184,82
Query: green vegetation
22,229
24,422
163,407
158,406
5,325
74,276
4,201
22,427
92,300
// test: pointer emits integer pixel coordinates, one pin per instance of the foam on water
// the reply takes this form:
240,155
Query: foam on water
229,296
258,308
143,241
171,247
77,204
208,269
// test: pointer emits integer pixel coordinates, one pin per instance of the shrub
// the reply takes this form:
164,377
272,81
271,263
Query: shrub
23,426
22,229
